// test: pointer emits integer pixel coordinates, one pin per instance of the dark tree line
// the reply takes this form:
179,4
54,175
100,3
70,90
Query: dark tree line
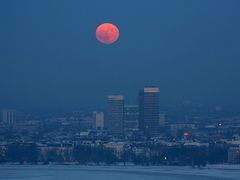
148,155
22,153
99,154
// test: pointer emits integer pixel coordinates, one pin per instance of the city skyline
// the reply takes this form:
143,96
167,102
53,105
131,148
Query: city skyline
130,100
137,134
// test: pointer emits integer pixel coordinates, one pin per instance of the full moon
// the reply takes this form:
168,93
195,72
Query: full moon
107,33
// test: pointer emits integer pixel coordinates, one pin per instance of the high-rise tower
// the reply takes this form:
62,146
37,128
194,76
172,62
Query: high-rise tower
115,114
149,111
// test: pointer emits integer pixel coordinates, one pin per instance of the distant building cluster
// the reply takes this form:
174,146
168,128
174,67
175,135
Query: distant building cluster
8,116
144,117
120,120
142,133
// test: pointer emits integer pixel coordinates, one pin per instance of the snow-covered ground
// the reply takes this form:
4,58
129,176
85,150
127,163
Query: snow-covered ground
57,172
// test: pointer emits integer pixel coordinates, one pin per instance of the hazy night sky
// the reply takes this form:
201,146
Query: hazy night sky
50,58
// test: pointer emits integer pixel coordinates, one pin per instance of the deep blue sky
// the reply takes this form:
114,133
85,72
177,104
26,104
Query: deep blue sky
50,58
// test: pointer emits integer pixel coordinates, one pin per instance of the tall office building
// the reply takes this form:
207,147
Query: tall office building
98,120
115,114
8,116
131,116
149,111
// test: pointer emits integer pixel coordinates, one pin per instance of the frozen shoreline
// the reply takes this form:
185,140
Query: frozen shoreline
215,171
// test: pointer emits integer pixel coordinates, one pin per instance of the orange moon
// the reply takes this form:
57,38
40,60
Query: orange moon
107,33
